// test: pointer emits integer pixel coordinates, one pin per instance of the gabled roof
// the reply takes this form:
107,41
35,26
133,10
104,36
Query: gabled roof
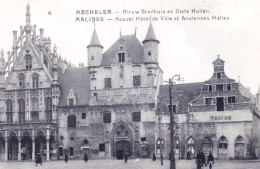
78,80
182,93
133,47
150,34
94,40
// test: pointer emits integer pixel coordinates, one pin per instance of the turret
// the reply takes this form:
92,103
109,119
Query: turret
55,66
219,71
150,46
95,51
28,23
2,69
14,46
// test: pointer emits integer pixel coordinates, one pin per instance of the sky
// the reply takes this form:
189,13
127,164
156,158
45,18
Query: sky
187,47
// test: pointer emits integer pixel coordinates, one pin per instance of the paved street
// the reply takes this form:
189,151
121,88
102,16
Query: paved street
132,164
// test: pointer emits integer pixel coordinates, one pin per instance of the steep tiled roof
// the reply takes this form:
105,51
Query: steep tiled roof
182,93
133,46
94,40
150,34
78,80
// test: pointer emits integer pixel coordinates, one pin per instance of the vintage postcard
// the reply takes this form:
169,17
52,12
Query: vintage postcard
142,84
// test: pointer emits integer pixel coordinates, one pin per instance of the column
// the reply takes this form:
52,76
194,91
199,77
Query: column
33,146
47,149
6,149
19,148
48,144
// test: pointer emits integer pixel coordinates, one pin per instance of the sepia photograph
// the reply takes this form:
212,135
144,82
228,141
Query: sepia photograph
117,84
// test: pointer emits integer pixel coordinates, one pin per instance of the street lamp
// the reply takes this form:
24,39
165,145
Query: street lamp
172,156
160,133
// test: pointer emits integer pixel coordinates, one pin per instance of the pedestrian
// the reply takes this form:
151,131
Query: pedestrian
210,160
154,157
198,160
203,160
126,157
66,158
188,155
38,159
86,158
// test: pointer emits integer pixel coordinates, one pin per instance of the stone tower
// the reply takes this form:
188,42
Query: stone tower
95,51
150,44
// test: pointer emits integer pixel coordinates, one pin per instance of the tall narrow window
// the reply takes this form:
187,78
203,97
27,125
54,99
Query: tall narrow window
136,81
21,103
219,75
107,117
210,87
108,83
149,53
48,108
173,108
9,111
71,121
220,104
21,81
121,57
45,61
71,151
28,60
35,80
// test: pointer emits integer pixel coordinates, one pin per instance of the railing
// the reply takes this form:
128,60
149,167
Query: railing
30,121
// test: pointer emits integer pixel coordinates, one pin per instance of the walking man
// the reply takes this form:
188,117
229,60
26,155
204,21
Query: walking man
210,160
203,159
126,157
66,158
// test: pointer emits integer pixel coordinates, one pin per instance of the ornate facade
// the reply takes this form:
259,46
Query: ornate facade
112,107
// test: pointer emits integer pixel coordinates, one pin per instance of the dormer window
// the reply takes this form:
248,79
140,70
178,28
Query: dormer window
72,99
28,60
219,75
149,53
92,57
71,102
121,57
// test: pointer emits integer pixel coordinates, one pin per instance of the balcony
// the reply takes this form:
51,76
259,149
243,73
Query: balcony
29,124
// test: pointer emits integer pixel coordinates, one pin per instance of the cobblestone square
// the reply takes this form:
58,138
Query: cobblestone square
132,164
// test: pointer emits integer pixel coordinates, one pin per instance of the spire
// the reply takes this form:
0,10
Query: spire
150,34
94,40
28,15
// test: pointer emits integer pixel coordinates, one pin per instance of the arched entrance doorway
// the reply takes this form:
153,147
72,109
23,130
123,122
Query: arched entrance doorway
207,146
176,147
122,147
240,148
26,146
13,147
223,148
2,146
191,147
122,140
40,144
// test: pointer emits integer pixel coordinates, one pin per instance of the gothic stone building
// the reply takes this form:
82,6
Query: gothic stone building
110,107
29,92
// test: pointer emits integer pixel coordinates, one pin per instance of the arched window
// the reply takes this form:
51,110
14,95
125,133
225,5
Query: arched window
71,121
158,145
21,103
240,148
35,104
191,146
35,80
21,78
122,132
28,60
